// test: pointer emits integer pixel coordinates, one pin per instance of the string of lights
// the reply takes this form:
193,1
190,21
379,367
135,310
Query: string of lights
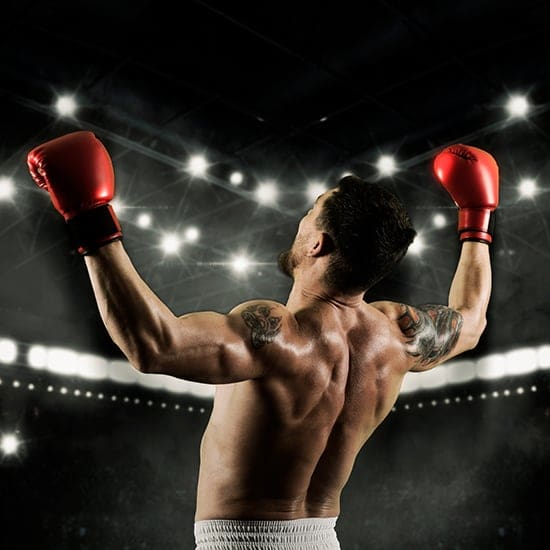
67,362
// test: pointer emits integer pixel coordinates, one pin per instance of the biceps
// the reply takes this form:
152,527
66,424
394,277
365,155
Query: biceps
434,334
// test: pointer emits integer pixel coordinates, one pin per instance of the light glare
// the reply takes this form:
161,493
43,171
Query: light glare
314,189
236,178
439,220
517,106
417,245
117,205
240,264
8,351
144,220
266,193
62,361
386,165
66,105
170,243
197,165
191,234
7,188
527,188
9,444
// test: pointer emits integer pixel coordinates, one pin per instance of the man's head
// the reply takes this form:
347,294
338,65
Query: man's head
359,230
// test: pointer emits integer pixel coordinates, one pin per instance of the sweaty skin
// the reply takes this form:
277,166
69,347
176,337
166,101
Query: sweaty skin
300,387
284,445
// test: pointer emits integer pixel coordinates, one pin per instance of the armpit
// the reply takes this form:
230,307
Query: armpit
432,331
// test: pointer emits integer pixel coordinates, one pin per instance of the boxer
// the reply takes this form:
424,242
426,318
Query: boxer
301,386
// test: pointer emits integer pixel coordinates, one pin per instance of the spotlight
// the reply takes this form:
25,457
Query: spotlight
191,234
314,189
417,245
62,361
386,165
236,178
170,243
66,105
266,193
144,220
117,205
439,220
8,351
7,188
197,165
9,444
517,106
37,357
240,264
527,188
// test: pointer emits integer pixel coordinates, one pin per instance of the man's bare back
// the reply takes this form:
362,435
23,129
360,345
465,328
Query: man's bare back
301,387
283,446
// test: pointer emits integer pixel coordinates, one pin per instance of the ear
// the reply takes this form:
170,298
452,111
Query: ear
323,245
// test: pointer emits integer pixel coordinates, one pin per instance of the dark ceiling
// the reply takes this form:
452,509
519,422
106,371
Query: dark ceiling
288,92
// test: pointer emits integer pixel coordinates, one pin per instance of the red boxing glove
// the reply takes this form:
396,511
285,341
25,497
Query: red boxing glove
470,176
77,172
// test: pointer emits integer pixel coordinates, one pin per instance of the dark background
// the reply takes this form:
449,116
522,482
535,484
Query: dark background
290,92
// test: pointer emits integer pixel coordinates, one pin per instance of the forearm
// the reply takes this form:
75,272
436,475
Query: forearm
135,318
471,286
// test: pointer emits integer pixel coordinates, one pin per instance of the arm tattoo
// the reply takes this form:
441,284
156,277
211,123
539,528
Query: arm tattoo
432,330
263,326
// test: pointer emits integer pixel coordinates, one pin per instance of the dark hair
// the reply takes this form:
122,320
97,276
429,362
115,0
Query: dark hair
371,231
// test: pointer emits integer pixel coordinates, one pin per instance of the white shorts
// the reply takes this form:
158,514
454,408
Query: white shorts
295,534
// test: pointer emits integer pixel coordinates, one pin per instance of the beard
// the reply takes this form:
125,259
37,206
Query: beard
288,260
285,263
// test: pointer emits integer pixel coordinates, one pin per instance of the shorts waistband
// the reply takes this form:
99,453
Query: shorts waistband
231,534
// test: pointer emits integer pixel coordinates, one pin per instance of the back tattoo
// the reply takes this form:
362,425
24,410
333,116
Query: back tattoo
263,326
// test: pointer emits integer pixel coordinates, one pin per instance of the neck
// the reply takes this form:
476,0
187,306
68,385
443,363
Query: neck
307,291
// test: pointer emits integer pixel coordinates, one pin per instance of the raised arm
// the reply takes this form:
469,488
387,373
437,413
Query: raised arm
204,346
435,333
207,346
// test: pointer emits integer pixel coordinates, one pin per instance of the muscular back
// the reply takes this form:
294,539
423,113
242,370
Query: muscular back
283,446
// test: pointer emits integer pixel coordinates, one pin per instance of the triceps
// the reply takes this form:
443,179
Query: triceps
432,331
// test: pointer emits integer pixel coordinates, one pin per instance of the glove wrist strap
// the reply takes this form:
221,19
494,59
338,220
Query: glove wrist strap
476,225
93,229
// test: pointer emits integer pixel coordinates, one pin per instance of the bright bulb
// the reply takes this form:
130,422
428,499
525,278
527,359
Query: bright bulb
439,220
386,165
314,189
8,351
7,188
240,264
517,106
117,205
236,178
37,357
417,246
170,243
191,234
9,444
266,193
527,188
197,165
144,220
66,105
